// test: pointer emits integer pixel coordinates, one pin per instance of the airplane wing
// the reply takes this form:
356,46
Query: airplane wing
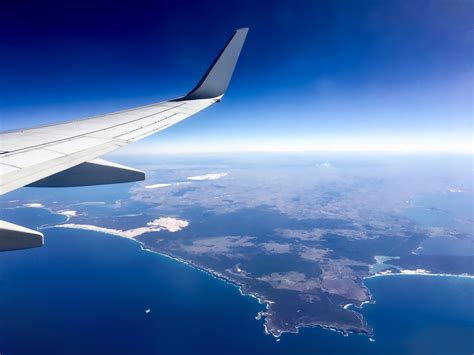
66,154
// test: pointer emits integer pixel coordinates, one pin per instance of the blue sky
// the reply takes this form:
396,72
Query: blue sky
313,75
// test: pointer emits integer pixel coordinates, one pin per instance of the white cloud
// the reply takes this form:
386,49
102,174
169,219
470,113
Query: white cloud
33,205
325,165
214,176
156,186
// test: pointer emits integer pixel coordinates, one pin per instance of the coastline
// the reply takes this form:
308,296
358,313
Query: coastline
261,299
266,312
417,273
67,215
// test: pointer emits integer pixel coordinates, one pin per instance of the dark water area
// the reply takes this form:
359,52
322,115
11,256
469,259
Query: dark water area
87,292
447,246
453,210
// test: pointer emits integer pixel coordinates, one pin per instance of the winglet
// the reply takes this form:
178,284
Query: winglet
216,80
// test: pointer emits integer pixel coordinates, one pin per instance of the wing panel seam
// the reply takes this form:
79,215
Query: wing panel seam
84,134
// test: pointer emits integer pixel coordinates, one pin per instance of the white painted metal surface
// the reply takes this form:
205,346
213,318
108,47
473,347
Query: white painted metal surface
32,154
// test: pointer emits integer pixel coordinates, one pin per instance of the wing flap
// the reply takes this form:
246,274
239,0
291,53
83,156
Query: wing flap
34,156
76,145
26,176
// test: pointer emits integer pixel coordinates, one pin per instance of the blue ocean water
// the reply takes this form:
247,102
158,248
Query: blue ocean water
451,210
87,293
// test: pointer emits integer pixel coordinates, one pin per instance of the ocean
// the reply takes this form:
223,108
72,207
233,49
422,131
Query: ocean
87,293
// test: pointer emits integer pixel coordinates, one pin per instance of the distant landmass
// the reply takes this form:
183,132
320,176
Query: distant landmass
301,236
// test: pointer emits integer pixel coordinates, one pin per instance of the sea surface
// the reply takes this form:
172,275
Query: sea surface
88,293
453,210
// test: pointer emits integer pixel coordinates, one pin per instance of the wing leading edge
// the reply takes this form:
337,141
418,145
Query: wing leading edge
56,155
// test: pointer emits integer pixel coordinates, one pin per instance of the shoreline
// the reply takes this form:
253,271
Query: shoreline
265,313
416,273
143,247
276,333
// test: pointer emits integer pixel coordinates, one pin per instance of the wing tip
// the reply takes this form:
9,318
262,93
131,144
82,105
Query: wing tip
215,81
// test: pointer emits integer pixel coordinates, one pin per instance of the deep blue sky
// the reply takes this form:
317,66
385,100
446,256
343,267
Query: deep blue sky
312,75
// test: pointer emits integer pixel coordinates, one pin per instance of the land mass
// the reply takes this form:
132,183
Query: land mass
299,235
304,277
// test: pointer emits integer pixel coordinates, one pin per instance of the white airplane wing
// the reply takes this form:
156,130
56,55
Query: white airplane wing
66,154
